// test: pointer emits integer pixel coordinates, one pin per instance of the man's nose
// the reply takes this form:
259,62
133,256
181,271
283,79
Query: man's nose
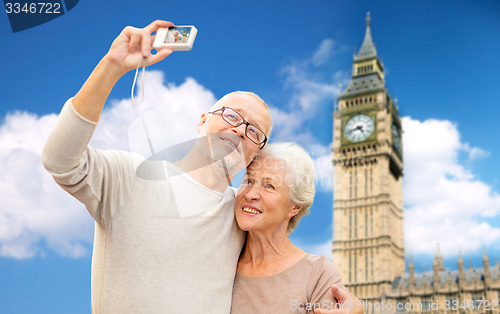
240,130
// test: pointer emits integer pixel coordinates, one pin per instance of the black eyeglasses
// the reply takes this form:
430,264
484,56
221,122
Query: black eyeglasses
233,118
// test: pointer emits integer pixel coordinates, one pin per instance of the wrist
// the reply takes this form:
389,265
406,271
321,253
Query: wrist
112,68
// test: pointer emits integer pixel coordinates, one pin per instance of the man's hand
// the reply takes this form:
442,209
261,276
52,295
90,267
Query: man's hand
347,303
132,48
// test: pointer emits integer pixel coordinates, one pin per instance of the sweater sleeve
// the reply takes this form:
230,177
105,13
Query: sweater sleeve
101,180
327,274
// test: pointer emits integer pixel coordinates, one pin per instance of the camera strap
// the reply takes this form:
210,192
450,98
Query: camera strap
150,143
142,84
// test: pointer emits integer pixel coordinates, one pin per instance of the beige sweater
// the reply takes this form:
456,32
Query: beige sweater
163,242
298,289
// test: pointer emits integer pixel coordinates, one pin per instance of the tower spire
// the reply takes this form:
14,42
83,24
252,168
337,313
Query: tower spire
368,47
461,270
438,260
486,266
485,257
411,278
368,71
460,259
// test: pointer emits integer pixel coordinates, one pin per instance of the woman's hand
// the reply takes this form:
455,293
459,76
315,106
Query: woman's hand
348,303
132,48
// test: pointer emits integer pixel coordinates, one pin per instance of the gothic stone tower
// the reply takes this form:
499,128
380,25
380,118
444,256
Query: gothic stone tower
368,244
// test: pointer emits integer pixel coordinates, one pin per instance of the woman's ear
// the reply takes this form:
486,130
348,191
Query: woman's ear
295,210
201,122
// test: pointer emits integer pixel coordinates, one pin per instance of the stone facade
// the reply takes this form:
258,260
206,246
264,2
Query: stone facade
368,238
472,290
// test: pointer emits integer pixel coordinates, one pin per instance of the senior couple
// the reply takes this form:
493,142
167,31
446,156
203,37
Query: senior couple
189,243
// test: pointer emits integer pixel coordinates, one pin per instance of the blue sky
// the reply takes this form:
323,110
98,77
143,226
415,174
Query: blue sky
441,63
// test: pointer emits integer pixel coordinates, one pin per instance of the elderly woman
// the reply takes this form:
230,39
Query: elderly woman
273,275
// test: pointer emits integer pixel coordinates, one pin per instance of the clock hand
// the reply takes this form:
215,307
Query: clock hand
353,129
359,127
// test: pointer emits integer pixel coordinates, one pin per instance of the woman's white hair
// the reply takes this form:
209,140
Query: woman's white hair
299,178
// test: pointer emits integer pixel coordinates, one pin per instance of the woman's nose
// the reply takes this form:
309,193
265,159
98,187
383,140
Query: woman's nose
252,194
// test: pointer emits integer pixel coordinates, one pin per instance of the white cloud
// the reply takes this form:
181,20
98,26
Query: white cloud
287,125
161,108
32,207
322,249
35,213
444,201
324,52
324,172
309,94
303,81
322,156
475,152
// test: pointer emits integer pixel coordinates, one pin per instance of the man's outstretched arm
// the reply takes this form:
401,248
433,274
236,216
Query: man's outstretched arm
131,49
76,168
67,142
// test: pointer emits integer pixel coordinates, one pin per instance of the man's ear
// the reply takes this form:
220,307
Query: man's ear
200,123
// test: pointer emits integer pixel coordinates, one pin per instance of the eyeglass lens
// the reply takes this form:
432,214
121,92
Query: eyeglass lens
252,132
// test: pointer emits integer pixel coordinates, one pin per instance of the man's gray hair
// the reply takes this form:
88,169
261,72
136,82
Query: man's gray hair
299,168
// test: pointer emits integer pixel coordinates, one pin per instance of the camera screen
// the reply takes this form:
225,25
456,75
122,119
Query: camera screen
178,35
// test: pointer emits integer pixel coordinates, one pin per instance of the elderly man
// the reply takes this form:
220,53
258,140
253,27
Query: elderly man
160,246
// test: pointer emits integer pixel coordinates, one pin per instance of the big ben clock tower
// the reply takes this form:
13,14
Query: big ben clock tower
368,244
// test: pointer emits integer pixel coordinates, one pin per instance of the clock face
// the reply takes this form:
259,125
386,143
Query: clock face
359,128
396,138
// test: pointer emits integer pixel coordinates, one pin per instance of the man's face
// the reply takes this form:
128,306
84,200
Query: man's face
251,109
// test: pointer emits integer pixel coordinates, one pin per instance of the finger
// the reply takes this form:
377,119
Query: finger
146,44
338,293
339,309
160,55
342,294
135,41
321,311
346,300
128,31
157,24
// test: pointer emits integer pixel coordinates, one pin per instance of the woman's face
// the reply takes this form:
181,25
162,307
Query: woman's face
263,203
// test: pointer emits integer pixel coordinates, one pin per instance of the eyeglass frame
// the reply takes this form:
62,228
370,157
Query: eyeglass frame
221,109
